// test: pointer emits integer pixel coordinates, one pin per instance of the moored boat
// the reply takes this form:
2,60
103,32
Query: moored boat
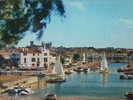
41,75
68,72
86,70
129,95
79,69
19,91
126,76
58,74
104,72
57,80
51,97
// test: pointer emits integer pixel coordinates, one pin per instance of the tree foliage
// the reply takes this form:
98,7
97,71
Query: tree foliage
76,57
17,16
62,60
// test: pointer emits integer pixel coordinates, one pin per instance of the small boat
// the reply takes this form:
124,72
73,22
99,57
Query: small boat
79,69
29,90
41,75
129,95
19,91
23,93
86,70
128,73
104,65
71,70
51,97
68,72
126,76
75,69
130,76
104,72
123,77
56,80
12,92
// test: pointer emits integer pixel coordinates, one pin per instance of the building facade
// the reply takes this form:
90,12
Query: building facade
29,58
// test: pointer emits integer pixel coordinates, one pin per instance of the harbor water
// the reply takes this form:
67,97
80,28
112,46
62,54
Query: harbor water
91,85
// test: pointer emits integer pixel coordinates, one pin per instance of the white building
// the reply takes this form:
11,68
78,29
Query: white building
31,58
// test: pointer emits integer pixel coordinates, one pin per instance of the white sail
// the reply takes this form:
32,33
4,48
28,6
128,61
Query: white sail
70,60
58,68
84,58
104,63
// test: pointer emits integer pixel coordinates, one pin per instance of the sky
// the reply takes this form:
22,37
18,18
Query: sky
97,23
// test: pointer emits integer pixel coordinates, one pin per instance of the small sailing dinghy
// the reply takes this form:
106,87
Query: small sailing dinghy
104,65
58,74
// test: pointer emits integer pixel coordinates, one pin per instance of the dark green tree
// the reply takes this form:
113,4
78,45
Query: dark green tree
62,60
18,16
76,57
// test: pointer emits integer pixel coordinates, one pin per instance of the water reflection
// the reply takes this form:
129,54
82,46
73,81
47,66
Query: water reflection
104,80
40,84
90,85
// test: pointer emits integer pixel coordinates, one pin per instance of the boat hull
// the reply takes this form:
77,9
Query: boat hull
56,81
104,72
126,76
129,95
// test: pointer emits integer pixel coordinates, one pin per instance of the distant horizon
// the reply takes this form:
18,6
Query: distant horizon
39,43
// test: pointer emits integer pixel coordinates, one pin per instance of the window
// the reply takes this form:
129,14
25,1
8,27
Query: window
45,59
45,54
24,60
45,66
33,65
33,54
38,64
33,59
25,54
38,60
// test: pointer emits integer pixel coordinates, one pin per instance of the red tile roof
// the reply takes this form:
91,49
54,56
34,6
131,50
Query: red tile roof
4,53
27,50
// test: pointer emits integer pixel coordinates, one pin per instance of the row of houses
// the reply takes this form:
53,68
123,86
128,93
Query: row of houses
32,56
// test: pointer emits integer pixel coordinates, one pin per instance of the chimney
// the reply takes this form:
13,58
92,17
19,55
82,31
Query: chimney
23,49
42,44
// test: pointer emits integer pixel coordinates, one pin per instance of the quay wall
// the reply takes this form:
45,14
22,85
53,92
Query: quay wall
23,82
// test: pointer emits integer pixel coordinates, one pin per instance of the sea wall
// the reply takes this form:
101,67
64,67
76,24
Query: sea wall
23,82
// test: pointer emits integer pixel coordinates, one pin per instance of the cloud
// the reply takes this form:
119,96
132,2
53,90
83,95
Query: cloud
126,21
130,27
77,4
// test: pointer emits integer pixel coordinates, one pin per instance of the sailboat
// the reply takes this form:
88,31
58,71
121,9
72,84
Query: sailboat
58,74
104,65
